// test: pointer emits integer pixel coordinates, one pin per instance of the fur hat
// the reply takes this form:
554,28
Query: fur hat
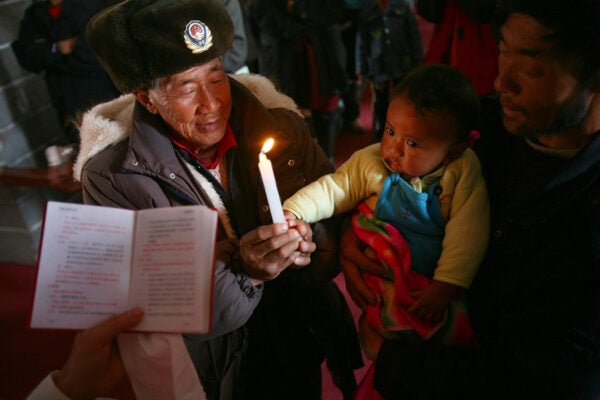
138,41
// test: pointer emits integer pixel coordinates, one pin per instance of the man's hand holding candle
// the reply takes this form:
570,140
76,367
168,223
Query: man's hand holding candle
267,250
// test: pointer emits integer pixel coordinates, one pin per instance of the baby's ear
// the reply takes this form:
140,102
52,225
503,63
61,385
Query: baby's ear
455,151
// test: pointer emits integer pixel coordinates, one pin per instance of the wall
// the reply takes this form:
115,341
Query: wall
28,124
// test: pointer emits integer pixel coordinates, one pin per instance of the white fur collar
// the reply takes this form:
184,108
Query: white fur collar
110,122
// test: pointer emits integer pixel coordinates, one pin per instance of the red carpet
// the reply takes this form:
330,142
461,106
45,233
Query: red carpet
27,355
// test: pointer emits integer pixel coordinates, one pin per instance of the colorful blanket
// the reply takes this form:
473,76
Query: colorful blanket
389,315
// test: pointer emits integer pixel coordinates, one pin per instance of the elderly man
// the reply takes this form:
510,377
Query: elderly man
188,134
533,305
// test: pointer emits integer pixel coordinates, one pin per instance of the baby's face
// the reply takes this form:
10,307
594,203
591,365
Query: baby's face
414,144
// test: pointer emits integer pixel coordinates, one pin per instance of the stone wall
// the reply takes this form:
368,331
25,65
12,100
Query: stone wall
28,124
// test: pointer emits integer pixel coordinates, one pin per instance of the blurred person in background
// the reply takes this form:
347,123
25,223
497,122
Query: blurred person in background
51,41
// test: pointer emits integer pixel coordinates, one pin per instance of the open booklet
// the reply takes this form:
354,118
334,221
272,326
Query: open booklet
98,261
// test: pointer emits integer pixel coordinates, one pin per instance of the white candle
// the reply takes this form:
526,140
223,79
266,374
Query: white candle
268,178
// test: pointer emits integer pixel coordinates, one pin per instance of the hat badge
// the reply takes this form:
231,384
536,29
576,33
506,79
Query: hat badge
197,36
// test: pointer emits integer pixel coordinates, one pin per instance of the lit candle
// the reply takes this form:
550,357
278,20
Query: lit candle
268,178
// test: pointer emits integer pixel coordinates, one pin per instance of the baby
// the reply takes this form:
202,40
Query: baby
423,180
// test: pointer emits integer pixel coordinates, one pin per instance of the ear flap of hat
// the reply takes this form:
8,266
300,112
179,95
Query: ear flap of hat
138,41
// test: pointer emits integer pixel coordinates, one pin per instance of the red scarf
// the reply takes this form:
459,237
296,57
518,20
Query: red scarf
225,144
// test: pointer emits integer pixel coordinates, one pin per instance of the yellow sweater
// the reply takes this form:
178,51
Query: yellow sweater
463,204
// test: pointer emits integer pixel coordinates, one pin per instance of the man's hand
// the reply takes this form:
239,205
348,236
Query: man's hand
267,250
432,302
354,262
66,46
94,367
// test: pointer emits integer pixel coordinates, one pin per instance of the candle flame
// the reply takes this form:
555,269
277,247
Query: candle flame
267,146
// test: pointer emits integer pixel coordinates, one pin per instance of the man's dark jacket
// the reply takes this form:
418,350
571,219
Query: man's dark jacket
534,304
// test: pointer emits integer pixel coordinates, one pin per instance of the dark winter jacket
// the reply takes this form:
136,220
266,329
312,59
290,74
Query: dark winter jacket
75,81
533,304
389,40
286,28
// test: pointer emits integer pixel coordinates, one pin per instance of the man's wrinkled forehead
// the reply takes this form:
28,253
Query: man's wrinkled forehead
526,36
204,72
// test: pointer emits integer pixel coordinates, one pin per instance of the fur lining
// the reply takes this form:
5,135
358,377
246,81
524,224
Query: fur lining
110,122
103,125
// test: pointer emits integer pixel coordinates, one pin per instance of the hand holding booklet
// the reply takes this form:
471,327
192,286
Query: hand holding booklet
98,261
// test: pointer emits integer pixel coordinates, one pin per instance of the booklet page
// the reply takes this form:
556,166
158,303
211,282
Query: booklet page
83,270
173,266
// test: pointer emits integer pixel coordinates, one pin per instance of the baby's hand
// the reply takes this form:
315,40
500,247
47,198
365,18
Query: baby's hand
432,302
295,223
288,215
306,246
